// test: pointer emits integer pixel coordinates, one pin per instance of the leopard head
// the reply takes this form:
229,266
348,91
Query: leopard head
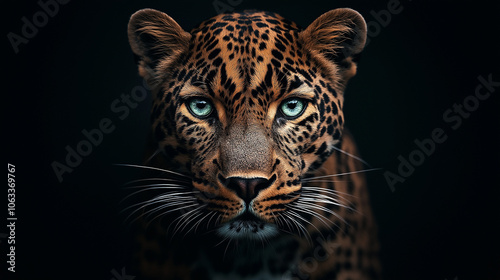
248,104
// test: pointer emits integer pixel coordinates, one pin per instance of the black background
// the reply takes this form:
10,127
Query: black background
440,223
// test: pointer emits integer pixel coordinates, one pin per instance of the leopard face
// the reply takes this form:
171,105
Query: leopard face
248,104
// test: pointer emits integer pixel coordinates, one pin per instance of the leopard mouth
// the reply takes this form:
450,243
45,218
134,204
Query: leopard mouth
246,221
247,226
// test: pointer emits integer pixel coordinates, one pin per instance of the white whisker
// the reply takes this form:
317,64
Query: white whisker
313,189
153,168
180,219
319,207
288,218
284,220
305,210
157,199
195,226
303,229
195,218
327,181
163,206
351,155
159,179
315,200
150,203
154,154
317,196
340,174
171,210
209,220
222,241
154,187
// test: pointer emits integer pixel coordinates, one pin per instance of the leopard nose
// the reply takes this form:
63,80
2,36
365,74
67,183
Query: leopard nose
247,188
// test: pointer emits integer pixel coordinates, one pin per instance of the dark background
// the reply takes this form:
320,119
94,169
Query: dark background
440,223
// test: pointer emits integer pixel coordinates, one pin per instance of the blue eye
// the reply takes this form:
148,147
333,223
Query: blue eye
200,107
292,108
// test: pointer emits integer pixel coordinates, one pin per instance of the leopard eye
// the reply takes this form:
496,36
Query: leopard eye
292,108
200,107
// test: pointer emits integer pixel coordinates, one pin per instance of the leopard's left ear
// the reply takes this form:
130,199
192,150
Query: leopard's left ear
337,36
157,41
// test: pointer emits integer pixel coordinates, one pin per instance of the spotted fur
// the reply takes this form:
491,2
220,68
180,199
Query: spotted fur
246,191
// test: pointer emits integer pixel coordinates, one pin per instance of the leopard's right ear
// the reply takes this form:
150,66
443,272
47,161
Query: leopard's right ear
157,41
337,36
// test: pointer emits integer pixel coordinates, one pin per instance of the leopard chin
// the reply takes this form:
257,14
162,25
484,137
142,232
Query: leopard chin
247,226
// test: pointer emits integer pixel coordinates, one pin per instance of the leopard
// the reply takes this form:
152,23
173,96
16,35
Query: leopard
249,172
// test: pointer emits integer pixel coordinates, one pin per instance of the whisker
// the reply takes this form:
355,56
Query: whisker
150,204
137,210
180,219
313,213
302,218
341,174
327,181
154,187
209,220
163,206
219,218
158,199
175,195
323,200
302,228
195,226
171,210
160,187
188,220
351,155
153,168
283,220
288,219
276,219
319,207
314,190
334,197
225,250
222,241
330,198
153,155
285,231
157,179
152,201
311,204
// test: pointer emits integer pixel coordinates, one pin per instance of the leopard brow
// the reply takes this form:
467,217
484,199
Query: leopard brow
189,90
303,91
